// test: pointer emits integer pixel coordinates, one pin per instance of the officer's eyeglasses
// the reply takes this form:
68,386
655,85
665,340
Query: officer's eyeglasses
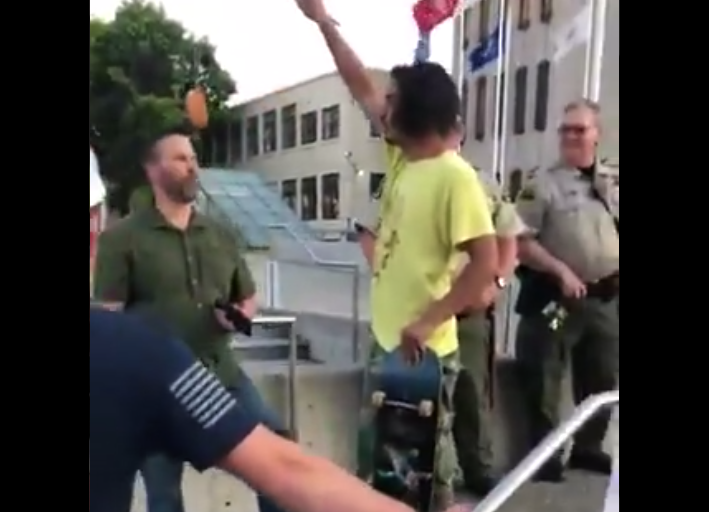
573,129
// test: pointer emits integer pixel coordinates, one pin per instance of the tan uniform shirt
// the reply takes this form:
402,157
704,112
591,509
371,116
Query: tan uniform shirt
574,226
508,223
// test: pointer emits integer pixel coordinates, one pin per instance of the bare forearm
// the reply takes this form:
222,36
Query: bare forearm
367,241
320,486
537,257
509,256
351,68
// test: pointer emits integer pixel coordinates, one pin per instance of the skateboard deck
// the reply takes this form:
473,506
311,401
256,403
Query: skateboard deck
406,401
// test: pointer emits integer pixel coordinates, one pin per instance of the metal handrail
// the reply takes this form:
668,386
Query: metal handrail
289,321
343,265
311,253
546,451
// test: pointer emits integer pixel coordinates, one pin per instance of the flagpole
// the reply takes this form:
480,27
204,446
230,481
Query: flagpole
504,124
596,50
460,57
500,87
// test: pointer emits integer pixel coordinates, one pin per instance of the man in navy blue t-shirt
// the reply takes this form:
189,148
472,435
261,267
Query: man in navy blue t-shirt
148,395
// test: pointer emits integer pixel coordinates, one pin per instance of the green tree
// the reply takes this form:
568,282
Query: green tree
140,66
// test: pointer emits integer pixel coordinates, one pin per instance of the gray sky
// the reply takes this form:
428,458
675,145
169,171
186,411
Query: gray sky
267,45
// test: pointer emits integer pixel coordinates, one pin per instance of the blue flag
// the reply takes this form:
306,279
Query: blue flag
488,51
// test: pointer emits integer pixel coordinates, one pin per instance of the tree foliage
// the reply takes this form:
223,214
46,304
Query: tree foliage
141,64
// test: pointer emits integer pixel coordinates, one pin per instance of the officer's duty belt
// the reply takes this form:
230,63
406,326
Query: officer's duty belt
605,289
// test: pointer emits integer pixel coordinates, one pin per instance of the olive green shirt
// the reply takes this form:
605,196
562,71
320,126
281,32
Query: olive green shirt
173,278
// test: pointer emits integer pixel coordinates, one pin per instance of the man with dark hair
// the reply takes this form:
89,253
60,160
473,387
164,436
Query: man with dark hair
171,264
433,208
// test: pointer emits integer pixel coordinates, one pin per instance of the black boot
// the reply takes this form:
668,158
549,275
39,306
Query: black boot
596,462
481,486
553,472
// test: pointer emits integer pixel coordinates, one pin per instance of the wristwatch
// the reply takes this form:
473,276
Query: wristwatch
501,282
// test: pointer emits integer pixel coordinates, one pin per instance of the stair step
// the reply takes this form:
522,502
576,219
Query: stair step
269,350
264,342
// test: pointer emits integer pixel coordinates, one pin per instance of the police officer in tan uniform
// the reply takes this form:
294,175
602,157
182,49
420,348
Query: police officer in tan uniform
474,393
573,212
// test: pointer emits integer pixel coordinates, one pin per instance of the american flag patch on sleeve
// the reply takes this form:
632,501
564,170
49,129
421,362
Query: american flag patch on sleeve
200,394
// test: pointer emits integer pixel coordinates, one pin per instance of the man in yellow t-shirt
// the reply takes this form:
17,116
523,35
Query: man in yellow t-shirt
432,209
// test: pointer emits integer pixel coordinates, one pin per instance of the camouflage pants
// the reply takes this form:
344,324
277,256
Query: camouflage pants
447,469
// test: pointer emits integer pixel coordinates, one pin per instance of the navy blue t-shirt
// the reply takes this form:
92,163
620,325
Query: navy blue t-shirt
147,395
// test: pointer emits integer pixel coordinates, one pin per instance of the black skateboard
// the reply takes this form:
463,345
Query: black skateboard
406,402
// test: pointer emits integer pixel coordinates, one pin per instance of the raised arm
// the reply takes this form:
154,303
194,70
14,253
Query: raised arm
351,69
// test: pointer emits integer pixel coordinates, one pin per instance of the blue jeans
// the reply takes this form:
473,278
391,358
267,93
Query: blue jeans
163,476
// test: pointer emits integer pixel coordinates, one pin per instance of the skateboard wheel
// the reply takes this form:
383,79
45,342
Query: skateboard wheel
426,409
378,399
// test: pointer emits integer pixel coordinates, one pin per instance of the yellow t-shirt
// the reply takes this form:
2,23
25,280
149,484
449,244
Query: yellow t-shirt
428,209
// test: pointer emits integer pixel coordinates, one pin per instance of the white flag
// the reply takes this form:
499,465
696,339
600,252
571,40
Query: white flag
575,33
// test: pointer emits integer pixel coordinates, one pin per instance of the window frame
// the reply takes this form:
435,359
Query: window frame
289,126
331,123
269,132
309,137
330,206
253,136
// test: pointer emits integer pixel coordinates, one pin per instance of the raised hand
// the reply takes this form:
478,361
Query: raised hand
314,10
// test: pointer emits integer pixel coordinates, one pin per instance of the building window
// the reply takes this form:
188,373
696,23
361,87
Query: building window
376,184
270,132
330,185
374,131
331,123
253,142
520,112
237,142
485,13
309,199
547,14
289,127
309,128
480,108
524,14
541,104
289,193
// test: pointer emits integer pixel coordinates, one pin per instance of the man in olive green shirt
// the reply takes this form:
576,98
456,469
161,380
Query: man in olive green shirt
171,264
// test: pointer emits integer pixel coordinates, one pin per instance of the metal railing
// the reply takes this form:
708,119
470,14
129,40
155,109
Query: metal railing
274,281
547,450
291,392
